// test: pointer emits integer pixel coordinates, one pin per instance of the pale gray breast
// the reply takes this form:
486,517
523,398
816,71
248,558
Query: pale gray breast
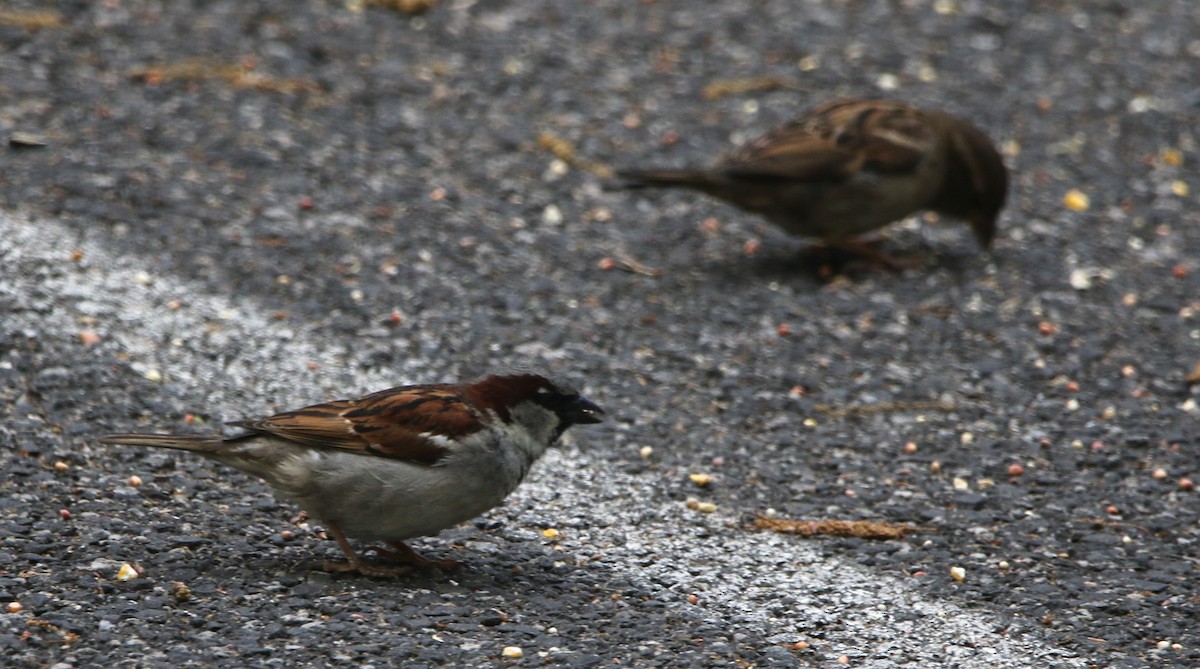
379,499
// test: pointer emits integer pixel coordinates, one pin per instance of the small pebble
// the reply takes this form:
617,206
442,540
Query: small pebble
910,448
646,451
1076,200
512,652
135,480
180,592
1186,484
126,572
1015,470
61,466
14,607
550,533
702,480
958,573
1159,474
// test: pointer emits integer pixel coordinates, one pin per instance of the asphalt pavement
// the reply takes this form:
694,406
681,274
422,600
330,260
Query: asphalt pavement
220,210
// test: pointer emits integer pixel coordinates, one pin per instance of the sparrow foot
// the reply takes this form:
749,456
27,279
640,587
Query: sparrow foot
368,570
860,254
403,553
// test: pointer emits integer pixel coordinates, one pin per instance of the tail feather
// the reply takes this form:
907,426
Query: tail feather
180,443
664,178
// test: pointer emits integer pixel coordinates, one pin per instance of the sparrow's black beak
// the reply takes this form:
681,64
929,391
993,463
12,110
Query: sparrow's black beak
582,411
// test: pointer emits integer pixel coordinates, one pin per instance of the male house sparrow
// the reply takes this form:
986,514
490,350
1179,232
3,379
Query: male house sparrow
851,166
400,463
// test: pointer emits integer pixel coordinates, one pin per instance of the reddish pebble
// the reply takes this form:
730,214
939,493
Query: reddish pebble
190,419
1044,443
1159,474
751,247
306,203
692,599
1072,386
394,318
783,330
669,138
606,264
1186,484
1097,445
1179,271
65,514
287,535
1047,328
1111,510
1015,470
89,338
910,447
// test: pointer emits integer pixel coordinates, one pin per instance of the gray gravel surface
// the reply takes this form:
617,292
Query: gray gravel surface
245,207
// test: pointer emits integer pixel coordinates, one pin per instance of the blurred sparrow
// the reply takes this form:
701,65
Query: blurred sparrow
851,166
400,463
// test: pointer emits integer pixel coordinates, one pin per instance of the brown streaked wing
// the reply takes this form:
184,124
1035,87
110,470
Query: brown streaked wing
796,151
390,423
897,141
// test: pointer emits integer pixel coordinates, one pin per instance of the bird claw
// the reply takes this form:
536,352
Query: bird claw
368,570
409,556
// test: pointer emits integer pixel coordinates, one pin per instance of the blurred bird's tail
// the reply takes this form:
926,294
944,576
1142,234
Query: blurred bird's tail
666,178
179,443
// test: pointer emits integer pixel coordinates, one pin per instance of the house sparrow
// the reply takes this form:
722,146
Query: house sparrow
400,463
851,166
